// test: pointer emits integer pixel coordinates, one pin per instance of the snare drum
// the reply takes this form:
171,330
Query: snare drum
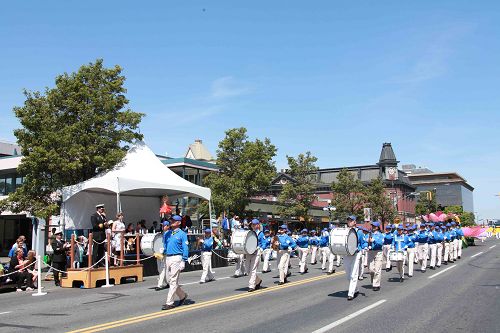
397,256
244,241
343,241
152,243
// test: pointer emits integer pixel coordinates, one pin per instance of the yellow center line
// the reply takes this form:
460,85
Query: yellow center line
192,307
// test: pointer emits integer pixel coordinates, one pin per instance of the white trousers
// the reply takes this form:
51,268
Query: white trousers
351,266
314,254
433,251
411,260
423,251
375,259
240,265
252,262
267,255
303,252
387,250
174,265
439,254
455,249
446,256
327,255
283,259
162,270
362,259
206,262
401,267
459,248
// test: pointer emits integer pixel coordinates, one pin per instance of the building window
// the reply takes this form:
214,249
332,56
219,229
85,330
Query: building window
9,187
2,186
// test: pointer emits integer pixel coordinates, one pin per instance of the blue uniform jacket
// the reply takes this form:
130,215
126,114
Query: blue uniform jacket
378,240
422,237
208,244
439,236
362,240
266,242
400,242
286,242
411,241
432,237
388,237
176,243
303,242
314,240
261,239
324,240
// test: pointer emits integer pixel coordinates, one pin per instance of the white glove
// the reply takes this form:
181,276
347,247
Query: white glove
182,265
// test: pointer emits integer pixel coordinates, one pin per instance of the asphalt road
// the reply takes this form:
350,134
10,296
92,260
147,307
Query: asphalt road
460,297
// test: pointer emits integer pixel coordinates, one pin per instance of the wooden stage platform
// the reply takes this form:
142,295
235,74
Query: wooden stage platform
89,278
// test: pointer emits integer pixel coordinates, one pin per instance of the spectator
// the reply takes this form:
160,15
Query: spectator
18,264
141,228
19,244
79,251
154,229
30,266
130,229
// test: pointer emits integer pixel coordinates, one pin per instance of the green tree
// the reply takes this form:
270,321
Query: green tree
466,218
296,197
70,133
348,195
377,199
426,203
245,168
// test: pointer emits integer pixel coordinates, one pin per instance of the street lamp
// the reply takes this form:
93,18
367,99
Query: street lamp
330,209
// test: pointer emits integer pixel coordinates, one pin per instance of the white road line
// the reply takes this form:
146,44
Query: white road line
476,254
444,270
349,317
1,313
492,246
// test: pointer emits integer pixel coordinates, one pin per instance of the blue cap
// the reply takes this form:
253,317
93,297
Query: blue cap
325,229
283,226
453,223
352,217
389,226
176,218
255,221
400,227
438,227
430,224
313,231
207,230
266,230
304,231
376,224
448,225
165,223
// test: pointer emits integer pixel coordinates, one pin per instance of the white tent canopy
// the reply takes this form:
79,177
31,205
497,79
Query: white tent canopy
134,186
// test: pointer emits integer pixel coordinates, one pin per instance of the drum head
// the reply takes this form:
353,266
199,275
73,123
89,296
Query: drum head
251,242
352,242
158,243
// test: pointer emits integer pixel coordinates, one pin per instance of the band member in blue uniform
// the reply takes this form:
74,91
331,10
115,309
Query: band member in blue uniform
400,244
388,237
175,244
266,253
375,255
422,247
207,245
314,243
433,240
351,263
286,245
303,246
253,260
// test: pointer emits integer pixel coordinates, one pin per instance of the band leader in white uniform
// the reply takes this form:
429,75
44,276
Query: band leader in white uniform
351,263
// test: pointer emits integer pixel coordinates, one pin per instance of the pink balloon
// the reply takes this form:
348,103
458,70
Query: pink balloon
442,217
426,218
439,213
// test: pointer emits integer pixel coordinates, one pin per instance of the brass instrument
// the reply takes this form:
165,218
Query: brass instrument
275,243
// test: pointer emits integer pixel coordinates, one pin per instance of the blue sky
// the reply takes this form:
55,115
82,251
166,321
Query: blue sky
337,78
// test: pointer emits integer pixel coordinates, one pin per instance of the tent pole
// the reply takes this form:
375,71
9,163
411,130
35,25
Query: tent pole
118,202
209,215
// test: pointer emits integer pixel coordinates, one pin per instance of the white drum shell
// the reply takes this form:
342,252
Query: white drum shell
244,241
152,243
343,241
397,256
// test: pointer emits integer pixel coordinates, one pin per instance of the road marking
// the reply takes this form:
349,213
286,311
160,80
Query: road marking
159,314
492,246
349,317
444,270
476,254
6,312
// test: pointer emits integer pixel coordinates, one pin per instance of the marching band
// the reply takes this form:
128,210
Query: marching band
357,247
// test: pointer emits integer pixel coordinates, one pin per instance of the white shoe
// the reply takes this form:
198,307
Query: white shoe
18,290
29,289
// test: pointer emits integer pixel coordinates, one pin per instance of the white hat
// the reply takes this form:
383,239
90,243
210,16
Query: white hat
99,206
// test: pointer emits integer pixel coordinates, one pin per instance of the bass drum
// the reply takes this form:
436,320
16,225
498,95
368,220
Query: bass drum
244,241
344,241
152,243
